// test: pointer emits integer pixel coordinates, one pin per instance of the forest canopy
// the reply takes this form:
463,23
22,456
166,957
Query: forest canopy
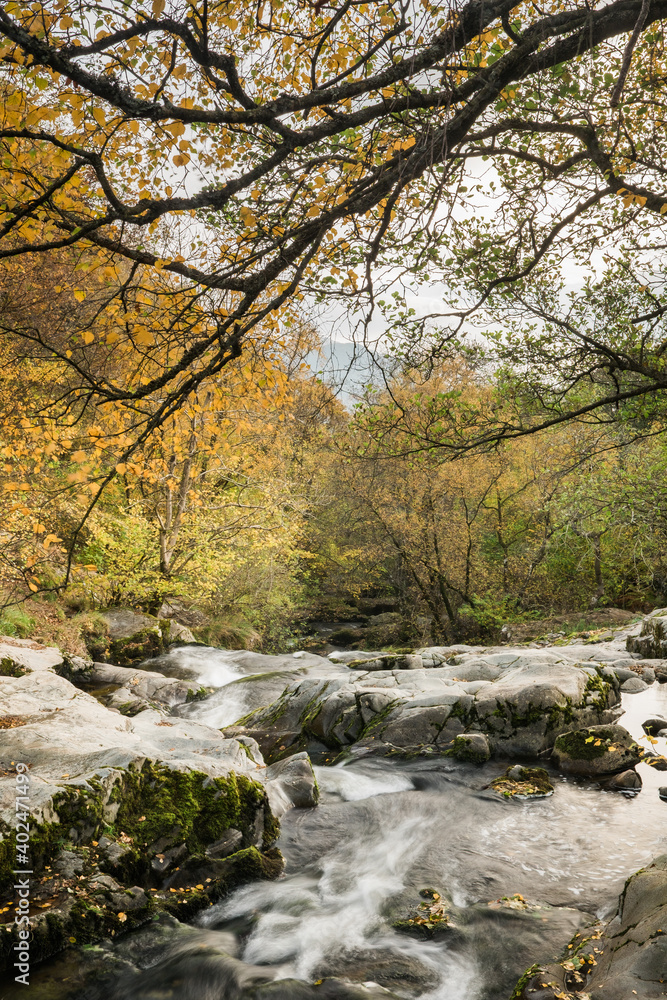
186,187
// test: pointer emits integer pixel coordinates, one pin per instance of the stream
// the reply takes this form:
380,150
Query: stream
383,831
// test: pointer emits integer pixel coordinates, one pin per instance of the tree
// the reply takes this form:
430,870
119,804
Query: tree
327,145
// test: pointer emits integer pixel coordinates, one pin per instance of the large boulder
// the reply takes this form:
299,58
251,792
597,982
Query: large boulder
118,807
651,642
23,656
520,701
627,959
596,751
127,638
132,690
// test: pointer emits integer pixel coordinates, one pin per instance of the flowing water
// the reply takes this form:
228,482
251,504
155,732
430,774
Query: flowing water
384,830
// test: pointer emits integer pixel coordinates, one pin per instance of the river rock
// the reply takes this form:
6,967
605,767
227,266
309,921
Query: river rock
470,746
136,690
662,792
652,727
21,656
388,661
596,750
523,782
625,781
624,673
349,655
633,685
624,960
657,761
648,675
179,634
520,700
651,642
659,668
127,638
291,783
151,783
633,950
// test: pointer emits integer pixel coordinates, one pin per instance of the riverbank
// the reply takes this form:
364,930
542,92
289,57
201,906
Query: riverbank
517,868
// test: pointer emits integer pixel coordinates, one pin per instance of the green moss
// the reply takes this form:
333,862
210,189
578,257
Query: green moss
518,992
155,802
561,715
197,695
601,686
87,922
143,645
530,781
585,744
463,749
459,711
192,804
379,718
10,669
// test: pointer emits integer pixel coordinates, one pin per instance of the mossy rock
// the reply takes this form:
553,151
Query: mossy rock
154,802
597,750
430,919
473,747
523,782
8,668
126,638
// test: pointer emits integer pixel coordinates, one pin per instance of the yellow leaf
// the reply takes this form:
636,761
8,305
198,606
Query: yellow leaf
79,295
33,588
120,468
175,128
122,917
99,117
158,7
79,456
88,337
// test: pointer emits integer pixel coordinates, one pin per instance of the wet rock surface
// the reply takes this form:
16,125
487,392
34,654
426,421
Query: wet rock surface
596,750
116,803
520,701
625,958
410,804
